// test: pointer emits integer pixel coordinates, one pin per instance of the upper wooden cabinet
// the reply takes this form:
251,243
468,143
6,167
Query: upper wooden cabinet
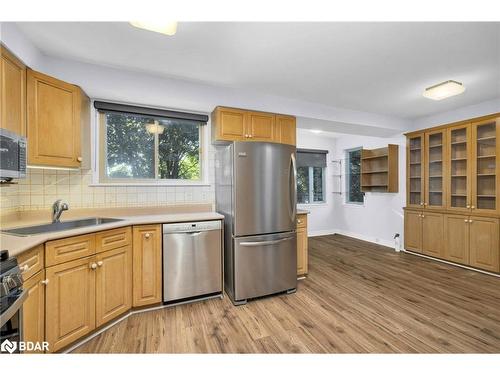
231,124
415,171
434,170
57,114
458,168
13,93
380,169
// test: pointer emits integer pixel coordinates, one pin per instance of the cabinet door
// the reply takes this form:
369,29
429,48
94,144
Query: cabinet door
67,249
458,168
456,241
70,302
261,127
53,121
34,310
413,231
432,234
485,167
435,143
13,93
113,284
415,168
484,251
302,251
229,124
286,130
147,266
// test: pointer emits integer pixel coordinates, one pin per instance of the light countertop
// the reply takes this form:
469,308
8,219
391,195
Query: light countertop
303,212
17,244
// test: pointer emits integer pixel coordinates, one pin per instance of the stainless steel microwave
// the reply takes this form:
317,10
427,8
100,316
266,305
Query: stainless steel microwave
12,155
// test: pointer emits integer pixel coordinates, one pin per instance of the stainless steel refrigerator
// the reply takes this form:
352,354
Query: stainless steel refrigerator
256,193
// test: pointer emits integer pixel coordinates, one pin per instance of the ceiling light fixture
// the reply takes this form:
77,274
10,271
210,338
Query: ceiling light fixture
316,131
167,27
444,90
155,128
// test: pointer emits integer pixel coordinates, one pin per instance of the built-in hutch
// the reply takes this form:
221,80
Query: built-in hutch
453,180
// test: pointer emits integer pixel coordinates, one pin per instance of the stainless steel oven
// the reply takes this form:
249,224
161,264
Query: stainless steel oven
12,155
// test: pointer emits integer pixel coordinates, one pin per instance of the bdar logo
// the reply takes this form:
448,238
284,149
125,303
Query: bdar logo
8,346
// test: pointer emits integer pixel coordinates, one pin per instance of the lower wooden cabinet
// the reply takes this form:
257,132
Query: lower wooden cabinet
456,240
463,239
302,245
34,309
484,251
113,284
432,234
147,269
70,302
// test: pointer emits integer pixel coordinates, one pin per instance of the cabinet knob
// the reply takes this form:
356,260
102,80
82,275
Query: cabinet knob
147,235
470,221
468,206
472,207
423,216
250,135
24,268
45,282
466,220
79,158
421,203
93,266
100,263
425,203
299,221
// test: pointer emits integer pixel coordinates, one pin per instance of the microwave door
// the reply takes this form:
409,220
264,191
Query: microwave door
9,157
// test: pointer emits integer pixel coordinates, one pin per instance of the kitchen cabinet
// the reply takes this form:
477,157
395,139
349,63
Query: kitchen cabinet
112,239
458,162
113,284
432,234
57,114
70,301
231,124
456,241
302,245
13,93
484,246
434,170
31,261
413,231
34,309
286,130
66,249
147,266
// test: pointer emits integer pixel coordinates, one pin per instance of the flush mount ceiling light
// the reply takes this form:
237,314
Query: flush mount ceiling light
316,131
155,128
444,90
167,27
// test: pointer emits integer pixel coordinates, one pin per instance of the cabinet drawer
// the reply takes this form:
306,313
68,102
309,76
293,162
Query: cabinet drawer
301,221
66,249
113,239
31,261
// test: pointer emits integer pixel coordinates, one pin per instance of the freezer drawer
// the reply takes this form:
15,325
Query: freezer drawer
192,263
264,265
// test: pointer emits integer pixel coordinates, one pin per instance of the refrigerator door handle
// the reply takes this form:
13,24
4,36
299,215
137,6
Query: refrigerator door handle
293,188
264,243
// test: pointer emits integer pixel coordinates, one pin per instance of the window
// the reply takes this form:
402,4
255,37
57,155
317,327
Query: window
353,176
147,148
311,166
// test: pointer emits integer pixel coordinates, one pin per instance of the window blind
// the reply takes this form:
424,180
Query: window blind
311,158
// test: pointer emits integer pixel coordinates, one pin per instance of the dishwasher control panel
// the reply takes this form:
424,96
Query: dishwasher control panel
199,226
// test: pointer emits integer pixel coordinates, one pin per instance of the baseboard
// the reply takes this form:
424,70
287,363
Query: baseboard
324,232
362,237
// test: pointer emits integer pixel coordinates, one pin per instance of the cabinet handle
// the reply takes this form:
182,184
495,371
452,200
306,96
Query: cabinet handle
79,158
470,221
425,203
93,266
45,282
423,216
147,235
472,207
466,220
100,263
421,203
299,221
250,136
24,268
468,206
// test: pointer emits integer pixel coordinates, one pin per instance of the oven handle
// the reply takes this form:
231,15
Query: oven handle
7,314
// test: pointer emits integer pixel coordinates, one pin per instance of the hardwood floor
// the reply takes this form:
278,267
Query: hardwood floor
358,298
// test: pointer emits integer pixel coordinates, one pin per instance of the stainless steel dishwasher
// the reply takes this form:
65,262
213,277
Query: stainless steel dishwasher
192,261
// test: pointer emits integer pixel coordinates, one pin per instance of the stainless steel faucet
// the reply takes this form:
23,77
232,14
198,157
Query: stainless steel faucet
57,209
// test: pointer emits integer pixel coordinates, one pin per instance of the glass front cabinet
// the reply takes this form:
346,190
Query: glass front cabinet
435,188
415,170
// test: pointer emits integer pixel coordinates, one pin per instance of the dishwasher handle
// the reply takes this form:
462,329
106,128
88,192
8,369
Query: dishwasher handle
265,243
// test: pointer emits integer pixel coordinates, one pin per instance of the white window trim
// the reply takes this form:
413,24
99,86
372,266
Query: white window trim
311,190
347,188
95,157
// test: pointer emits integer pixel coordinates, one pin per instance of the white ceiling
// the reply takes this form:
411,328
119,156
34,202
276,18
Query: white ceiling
373,67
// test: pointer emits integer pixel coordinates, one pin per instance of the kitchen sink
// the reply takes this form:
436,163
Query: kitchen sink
59,226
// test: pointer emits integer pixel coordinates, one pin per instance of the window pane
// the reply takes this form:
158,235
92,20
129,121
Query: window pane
354,193
303,185
129,147
318,184
179,150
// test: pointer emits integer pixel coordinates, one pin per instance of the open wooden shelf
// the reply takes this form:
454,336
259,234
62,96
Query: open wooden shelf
379,169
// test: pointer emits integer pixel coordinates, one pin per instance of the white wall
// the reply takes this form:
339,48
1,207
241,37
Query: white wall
321,217
381,215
